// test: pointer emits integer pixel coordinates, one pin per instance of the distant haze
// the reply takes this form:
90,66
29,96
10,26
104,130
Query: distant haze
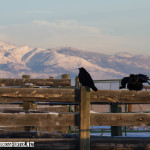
98,26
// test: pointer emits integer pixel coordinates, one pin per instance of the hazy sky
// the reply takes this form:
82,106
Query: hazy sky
106,26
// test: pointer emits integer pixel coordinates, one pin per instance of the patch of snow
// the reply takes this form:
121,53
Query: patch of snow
54,113
124,54
91,111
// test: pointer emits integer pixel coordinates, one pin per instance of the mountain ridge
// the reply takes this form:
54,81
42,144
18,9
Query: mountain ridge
42,63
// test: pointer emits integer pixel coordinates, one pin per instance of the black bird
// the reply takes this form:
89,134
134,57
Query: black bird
134,82
85,79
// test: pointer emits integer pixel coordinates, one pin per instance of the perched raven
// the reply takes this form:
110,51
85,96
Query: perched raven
134,82
86,79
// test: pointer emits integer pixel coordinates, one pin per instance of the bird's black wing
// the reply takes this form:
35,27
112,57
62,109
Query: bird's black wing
90,81
143,78
86,79
124,81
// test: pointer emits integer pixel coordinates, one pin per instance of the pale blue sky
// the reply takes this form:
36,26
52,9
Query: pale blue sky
106,26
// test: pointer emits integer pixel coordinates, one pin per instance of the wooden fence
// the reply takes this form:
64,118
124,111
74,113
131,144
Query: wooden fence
84,118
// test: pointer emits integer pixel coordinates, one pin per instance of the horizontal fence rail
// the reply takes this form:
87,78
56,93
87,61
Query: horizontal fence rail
108,81
35,82
38,94
73,95
73,119
121,96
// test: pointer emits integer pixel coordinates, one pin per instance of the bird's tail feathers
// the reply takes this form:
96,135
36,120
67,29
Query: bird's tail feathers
94,88
148,82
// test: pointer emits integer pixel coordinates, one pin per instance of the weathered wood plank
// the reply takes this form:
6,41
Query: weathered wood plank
38,94
58,108
73,95
120,143
54,129
120,119
28,134
85,118
39,119
36,82
72,119
121,96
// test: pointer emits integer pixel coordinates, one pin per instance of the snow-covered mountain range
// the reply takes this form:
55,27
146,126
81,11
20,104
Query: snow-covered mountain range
42,63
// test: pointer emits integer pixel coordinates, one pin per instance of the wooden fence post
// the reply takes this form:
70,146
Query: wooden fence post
51,77
65,76
129,107
77,107
85,118
28,105
116,130
25,76
77,82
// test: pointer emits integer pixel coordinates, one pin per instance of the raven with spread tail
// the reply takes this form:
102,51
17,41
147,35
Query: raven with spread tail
134,82
85,79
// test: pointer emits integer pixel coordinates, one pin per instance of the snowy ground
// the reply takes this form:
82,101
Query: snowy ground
139,133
